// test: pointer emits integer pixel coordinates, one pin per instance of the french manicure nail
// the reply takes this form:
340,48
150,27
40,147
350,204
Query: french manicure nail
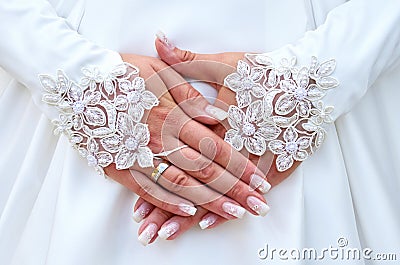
141,212
216,113
257,182
257,205
233,209
163,38
208,221
168,230
147,234
187,209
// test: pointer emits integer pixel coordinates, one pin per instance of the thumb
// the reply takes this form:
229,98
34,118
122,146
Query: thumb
210,68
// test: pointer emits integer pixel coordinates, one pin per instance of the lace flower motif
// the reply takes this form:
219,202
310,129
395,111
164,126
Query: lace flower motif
249,129
244,83
299,94
292,148
94,157
291,101
84,108
130,143
91,78
321,114
136,98
93,115
63,125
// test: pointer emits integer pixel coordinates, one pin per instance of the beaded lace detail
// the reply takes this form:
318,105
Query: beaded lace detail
279,107
101,116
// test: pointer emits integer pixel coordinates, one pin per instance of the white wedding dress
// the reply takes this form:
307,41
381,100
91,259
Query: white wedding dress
56,210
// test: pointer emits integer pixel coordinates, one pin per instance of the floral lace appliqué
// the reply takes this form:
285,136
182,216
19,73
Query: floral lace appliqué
250,129
279,107
101,116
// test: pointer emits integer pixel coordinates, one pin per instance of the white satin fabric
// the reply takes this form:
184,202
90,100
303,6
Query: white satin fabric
56,210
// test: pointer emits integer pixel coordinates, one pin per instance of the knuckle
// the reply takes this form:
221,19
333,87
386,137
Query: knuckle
218,149
239,169
178,183
236,192
145,190
191,93
213,148
165,203
188,56
208,172
162,215
198,163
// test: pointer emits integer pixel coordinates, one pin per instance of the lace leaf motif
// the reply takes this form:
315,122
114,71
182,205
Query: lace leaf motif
279,107
101,115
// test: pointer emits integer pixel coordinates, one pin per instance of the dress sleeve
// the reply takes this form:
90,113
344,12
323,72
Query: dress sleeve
363,37
35,40
287,96
91,95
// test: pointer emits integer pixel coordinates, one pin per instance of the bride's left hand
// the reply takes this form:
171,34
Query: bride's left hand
170,226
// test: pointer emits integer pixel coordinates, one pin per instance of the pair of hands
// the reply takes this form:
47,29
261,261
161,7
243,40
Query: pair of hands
208,173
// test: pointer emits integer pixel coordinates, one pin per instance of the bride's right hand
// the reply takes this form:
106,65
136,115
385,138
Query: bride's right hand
207,159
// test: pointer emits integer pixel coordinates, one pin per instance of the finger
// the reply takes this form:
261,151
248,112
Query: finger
189,99
277,177
211,220
212,68
178,225
200,137
209,144
151,192
147,232
141,210
215,148
178,182
171,226
216,177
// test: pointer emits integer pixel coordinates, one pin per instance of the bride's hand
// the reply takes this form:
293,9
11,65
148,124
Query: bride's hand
213,69
163,224
207,159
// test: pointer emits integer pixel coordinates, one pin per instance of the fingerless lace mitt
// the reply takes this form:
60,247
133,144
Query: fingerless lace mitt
101,116
279,107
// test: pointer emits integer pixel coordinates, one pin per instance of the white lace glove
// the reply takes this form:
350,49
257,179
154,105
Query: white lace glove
279,107
364,52
104,118
101,116
272,106
276,107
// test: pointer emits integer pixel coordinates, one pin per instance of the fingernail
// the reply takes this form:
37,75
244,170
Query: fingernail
168,230
233,209
257,205
257,182
163,38
208,221
147,234
141,212
187,209
216,113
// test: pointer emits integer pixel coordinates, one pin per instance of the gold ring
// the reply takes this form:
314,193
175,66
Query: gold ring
156,174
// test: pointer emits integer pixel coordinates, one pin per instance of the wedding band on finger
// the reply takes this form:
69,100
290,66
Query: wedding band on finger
156,174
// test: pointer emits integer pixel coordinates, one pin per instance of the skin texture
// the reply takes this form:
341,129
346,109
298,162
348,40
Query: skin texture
212,68
225,170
